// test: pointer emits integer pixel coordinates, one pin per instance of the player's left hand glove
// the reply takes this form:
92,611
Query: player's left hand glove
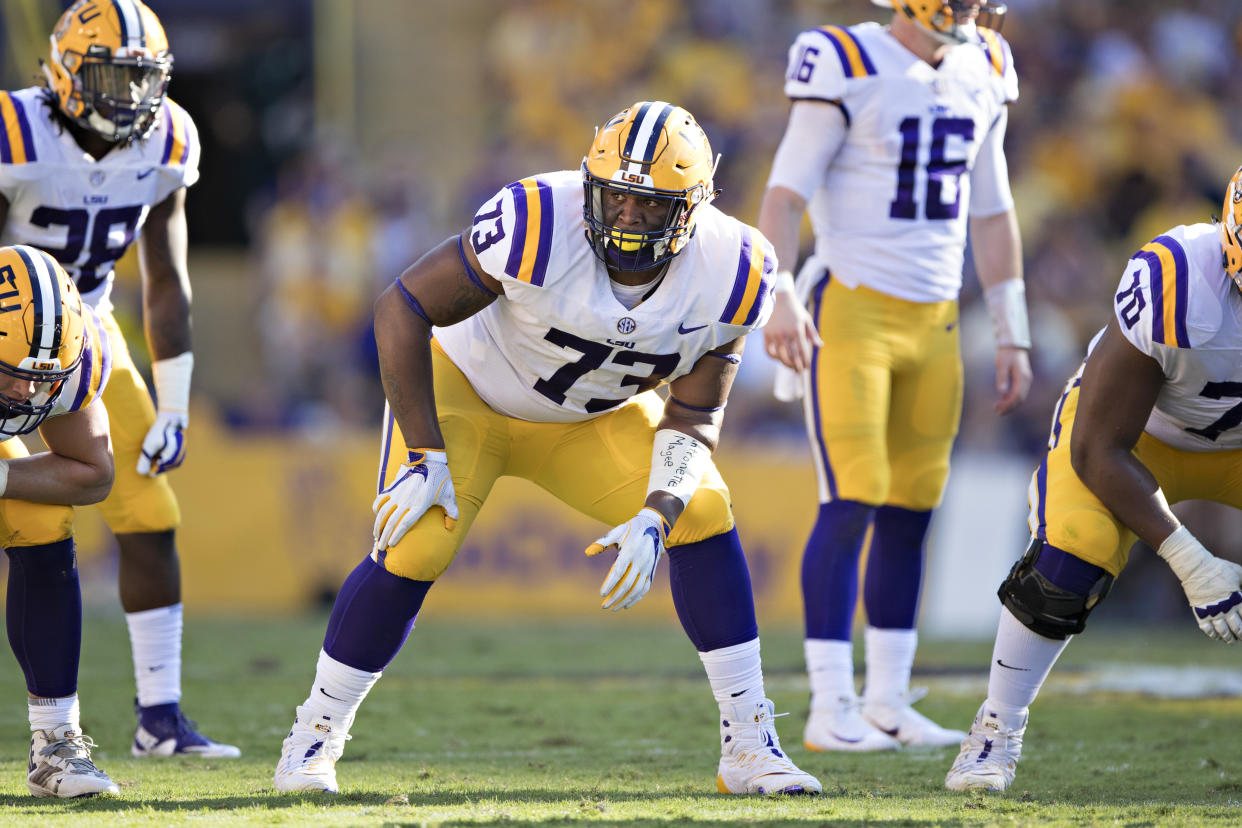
1213,585
639,543
163,448
422,481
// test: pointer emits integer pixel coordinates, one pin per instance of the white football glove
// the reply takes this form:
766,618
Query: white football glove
163,448
1213,585
639,543
422,481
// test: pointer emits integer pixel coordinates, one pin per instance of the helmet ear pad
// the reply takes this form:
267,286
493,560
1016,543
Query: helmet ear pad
652,150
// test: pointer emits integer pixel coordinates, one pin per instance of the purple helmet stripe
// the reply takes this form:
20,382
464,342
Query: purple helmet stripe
628,151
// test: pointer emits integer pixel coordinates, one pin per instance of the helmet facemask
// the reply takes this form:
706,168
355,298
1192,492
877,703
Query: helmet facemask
24,416
1231,229
629,249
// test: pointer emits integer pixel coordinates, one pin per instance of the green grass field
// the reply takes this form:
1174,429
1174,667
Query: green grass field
553,723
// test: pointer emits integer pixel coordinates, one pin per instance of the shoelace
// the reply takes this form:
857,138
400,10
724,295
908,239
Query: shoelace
78,745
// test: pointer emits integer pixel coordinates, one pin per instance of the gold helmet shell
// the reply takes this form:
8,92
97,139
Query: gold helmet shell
108,67
941,18
655,150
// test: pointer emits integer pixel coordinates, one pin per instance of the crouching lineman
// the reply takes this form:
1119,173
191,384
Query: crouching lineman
1151,419
548,344
54,362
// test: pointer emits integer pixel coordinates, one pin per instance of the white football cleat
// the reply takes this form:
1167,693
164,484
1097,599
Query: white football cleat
60,765
840,726
905,724
751,759
308,755
989,755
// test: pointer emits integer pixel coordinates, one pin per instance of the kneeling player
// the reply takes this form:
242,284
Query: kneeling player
548,344
1151,419
54,362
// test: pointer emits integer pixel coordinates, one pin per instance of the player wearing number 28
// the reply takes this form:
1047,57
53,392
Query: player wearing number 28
89,163
531,346
894,146
1150,419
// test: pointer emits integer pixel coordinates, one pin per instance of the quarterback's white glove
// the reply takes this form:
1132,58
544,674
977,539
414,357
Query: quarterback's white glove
639,543
1213,585
163,448
422,481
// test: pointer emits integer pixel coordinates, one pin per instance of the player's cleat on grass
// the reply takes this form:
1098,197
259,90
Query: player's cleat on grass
907,725
751,760
989,755
840,726
60,765
163,730
308,756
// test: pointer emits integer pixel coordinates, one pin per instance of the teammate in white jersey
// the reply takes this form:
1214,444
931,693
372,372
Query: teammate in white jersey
1152,418
528,347
90,163
55,359
894,138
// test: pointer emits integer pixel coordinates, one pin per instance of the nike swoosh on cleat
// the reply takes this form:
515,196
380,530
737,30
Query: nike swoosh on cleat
892,732
682,329
1009,667
841,738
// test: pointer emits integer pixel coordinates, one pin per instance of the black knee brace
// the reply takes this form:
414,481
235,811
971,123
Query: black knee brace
1043,607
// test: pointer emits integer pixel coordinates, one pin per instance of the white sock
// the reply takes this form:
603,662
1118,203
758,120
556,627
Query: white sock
830,666
49,714
1021,661
155,637
338,691
890,658
735,673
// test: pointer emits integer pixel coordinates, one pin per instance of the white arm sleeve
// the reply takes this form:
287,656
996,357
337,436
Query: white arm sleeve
989,180
815,133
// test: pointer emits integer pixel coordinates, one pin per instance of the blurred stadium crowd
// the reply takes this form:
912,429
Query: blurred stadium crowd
342,140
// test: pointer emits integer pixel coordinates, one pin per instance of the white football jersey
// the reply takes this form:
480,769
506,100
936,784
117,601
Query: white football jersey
558,346
87,383
891,210
1177,304
85,212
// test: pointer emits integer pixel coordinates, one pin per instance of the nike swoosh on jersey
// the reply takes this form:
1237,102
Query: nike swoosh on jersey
145,173
682,329
1010,667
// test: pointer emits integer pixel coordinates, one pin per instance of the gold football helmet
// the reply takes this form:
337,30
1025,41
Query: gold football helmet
1231,229
949,21
109,67
42,334
659,152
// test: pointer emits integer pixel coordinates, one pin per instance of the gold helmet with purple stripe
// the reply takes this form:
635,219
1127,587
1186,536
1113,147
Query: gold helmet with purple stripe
1231,229
109,66
42,334
949,21
657,151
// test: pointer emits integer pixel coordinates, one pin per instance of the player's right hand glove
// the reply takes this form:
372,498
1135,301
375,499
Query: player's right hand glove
1213,586
639,543
422,481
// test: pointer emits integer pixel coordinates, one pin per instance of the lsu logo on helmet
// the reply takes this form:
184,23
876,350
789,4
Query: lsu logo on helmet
658,152
42,335
949,21
1231,229
108,67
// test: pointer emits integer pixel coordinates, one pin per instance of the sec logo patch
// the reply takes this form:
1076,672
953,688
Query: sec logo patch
626,325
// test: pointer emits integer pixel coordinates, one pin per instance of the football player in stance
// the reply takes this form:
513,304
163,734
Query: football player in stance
894,138
55,358
527,347
1150,419
93,160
